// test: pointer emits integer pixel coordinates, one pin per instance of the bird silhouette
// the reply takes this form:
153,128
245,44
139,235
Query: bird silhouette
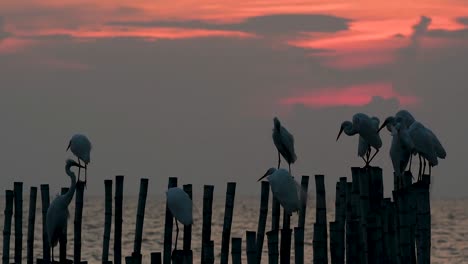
285,189
180,205
368,130
80,146
57,214
284,143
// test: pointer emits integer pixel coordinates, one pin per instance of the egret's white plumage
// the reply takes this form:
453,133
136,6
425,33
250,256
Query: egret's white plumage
285,189
57,214
284,142
180,205
367,128
80,146
400,151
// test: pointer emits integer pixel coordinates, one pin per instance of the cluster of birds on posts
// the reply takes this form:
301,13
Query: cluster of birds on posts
409,137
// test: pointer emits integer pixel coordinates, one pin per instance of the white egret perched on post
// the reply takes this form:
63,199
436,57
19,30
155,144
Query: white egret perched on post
57,214
80,146
180,205
284,143
368,130
285,189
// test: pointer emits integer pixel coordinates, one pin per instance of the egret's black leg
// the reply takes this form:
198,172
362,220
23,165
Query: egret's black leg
424,168
279,160
52,254
420,167
177,234
85,173
79,169
376,151
289,164
365,161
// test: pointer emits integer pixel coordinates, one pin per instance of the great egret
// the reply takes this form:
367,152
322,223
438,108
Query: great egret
284,143
80,146
400,150
367,128
57,214
180,205
285,189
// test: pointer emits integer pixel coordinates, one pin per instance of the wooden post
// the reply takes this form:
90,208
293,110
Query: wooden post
45,198
333,242
251,247
275,214
206,227
188,228
320,227
265,193
299,245
78,218
340,220
302,212
168,225
285,246
139,219
9,194
63,239
118,219
375,239
364,180
31,222
401,198
375,188
236,250
272,237
209,252
228,212
155,257
107,220
18,190
424,220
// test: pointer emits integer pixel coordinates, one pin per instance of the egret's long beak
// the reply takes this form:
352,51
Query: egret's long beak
69,144
339,134
266,174
383,125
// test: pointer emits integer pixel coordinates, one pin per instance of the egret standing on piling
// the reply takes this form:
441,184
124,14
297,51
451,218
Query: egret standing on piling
57,214
285,189
284,143
368,130
180,205
80,146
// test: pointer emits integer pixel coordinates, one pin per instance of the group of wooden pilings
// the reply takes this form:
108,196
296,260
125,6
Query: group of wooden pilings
367,228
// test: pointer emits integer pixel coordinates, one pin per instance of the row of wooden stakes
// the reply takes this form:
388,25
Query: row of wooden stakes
368,228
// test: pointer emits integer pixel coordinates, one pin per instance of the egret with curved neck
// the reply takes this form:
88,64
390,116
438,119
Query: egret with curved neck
284,143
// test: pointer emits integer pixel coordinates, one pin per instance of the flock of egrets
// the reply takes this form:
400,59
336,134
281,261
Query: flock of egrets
409,137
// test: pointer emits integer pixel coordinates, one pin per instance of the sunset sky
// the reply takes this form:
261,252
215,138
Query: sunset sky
190,88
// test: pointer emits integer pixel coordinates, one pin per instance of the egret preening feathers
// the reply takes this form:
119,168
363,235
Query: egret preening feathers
57,214
80,146
284,143
180,205
368,130
285,189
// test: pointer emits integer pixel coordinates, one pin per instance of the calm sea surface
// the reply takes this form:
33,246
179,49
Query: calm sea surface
449,228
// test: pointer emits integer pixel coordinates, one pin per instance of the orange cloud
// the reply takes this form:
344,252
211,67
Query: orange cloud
356,95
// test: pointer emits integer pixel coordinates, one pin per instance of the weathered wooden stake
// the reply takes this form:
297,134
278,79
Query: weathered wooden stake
155,257
251,249
285,244
364,180
63,239
107,220
275,214
401,198
272,237
206,226
18,190
188,228
139,220
118,219
228,212
302,212
31,222
340,219
236,250
168,225
209,252
9,194
45,198
78,218
264,196
299,245
320,227
424,220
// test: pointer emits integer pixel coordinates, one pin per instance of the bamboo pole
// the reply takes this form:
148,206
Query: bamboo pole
401,198
275,214
107,220
78,220
188,228
299,245
264,196
374,231
273,254
45,198
251,249
31,222
333,242
341,219
155,257
320,227
209,252
364,180
63,239
206,226
168,225
18,190
140,217
118,219
424,220
285,244
236,250
228,212
302,212
9,194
